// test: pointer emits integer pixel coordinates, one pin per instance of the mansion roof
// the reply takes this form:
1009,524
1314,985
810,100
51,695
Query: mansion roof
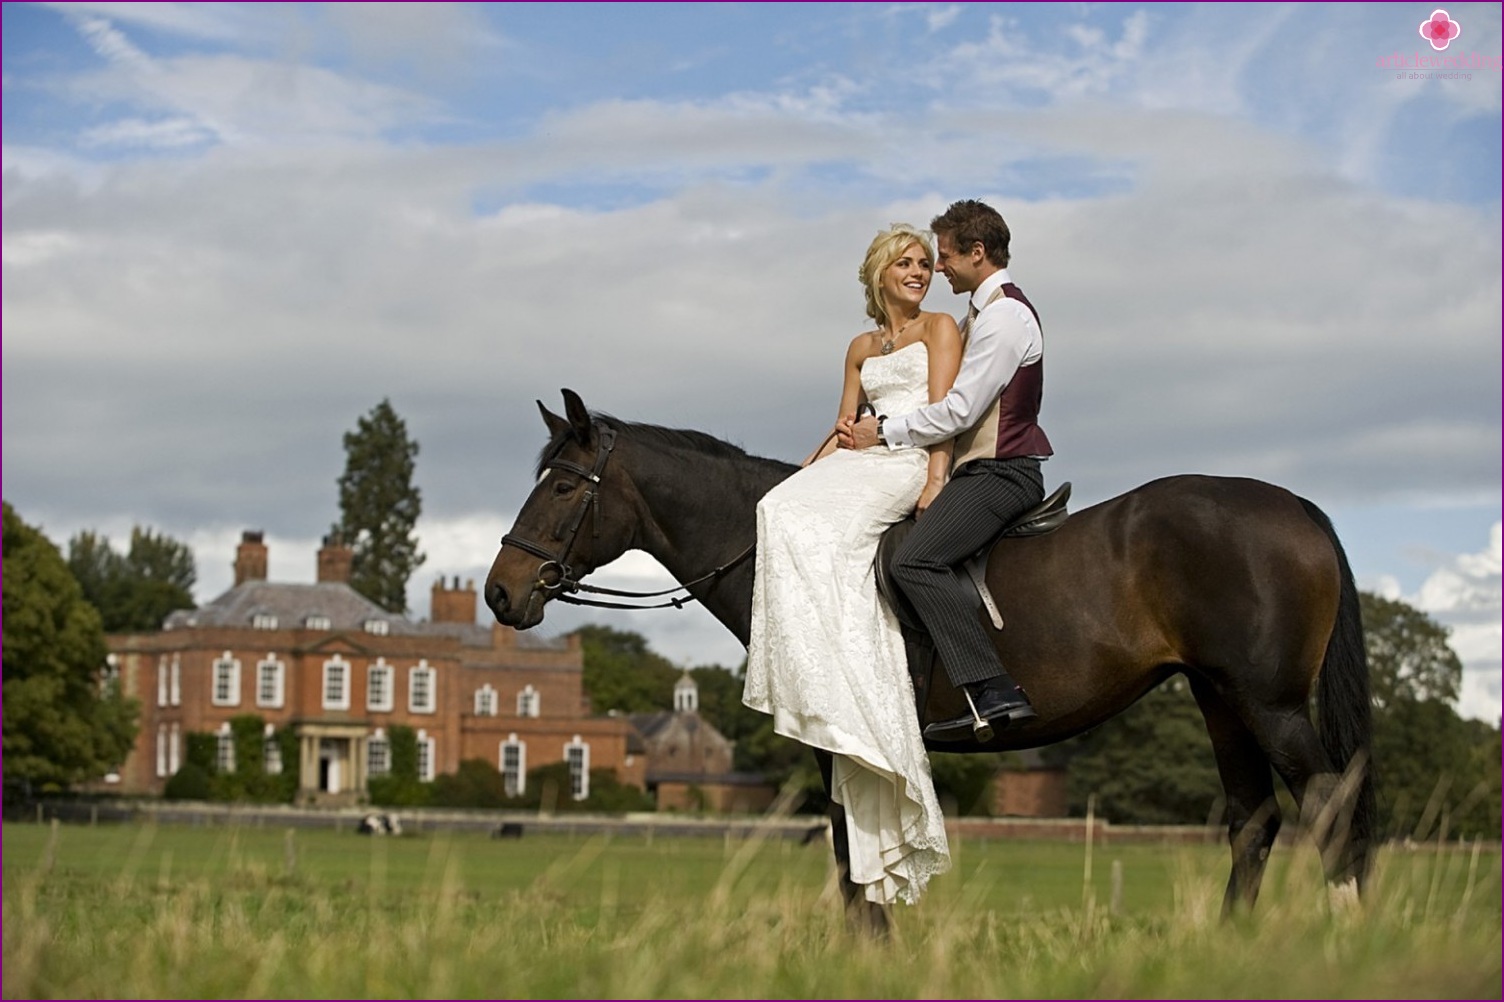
332,606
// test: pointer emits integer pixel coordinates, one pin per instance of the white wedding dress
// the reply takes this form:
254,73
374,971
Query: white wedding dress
826,657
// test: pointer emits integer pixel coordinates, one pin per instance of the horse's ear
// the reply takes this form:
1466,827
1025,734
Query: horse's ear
579,418
555,424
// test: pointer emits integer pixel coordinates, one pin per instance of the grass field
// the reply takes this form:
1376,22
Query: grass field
226,912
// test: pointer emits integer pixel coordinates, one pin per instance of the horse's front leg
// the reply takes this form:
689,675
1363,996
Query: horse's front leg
861,914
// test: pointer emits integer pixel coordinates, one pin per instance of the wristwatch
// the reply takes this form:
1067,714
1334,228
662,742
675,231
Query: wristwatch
881,439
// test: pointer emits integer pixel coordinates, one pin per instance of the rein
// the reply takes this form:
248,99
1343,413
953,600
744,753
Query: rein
565,584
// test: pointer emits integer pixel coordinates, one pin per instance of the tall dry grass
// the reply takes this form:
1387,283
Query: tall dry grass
237,913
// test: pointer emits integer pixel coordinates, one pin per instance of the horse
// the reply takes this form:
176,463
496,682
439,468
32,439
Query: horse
1238,585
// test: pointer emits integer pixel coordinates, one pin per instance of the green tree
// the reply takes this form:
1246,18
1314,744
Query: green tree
64,721
622,673
1152,764
963,783
379,507
136,591
1409,657
1435,772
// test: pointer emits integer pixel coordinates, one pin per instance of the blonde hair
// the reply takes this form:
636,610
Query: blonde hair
887,247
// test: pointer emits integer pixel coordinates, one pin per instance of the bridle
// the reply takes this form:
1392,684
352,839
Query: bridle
565,584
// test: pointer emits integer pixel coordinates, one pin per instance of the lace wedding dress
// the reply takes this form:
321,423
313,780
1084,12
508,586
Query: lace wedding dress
826,657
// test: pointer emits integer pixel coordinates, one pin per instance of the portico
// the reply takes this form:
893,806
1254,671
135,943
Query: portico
332,757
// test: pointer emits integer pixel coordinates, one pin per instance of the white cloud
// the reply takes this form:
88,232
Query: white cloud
1465,596
162,134
217,21
1225,296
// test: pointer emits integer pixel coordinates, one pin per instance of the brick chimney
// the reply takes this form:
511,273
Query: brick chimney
250,558
336,560
452,604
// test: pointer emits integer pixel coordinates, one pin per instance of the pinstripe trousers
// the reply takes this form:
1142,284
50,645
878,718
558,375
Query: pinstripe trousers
982,497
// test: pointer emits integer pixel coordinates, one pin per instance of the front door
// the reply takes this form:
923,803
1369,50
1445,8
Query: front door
331,757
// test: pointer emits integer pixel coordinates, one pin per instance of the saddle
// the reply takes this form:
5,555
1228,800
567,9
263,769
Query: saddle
1047,516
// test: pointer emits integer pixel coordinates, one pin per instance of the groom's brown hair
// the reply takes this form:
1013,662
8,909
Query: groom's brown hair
970,222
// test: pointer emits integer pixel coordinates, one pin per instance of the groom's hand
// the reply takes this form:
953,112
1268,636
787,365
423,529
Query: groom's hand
860,434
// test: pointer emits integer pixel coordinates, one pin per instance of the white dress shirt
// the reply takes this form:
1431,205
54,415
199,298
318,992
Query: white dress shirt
1004,336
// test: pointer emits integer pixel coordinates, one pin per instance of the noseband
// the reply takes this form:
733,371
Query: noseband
565,583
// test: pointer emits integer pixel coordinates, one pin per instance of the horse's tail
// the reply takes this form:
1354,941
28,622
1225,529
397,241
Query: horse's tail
1345,714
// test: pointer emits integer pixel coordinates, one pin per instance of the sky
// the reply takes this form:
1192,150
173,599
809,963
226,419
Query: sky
1264,241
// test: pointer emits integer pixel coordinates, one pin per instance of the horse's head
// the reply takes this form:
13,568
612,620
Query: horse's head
579,516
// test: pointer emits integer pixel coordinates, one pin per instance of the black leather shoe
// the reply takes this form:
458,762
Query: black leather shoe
999,703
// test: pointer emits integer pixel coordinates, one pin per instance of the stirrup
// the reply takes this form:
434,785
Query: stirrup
981,729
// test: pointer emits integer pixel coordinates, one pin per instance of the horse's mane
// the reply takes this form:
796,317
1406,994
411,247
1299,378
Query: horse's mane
658,437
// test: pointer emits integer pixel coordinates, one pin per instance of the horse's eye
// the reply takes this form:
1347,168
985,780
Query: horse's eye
563,488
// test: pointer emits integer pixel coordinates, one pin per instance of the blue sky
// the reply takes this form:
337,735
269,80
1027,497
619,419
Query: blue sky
230,229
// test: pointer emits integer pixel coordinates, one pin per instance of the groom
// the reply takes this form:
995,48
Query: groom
992,411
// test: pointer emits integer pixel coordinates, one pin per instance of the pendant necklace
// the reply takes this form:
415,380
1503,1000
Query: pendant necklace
888,343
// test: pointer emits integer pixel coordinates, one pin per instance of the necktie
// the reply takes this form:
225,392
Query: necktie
971,316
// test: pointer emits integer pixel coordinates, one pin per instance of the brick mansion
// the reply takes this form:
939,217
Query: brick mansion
338,671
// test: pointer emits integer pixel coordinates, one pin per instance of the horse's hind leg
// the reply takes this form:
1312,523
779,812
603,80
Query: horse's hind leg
1253,817
1288,738
864,915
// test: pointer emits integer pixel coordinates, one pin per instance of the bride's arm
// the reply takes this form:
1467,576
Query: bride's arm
851,395
943,341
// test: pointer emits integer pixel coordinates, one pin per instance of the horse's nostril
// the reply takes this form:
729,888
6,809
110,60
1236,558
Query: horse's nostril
496,597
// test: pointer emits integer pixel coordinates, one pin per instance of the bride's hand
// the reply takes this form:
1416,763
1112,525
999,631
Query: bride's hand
931,490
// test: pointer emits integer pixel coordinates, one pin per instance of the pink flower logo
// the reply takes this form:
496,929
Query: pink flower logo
1440,29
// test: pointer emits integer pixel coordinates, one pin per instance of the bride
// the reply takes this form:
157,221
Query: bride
826,657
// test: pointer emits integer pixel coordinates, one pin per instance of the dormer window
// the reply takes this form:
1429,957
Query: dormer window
317,622
264,621
378,627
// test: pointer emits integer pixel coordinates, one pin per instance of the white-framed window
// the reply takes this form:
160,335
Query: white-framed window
263,621
421,683
224,760
485,701
271,682
336,684
317,622
528,702
378,754
174,749
378,627
162,751
577,754
226,681
175,681
426,756
162,680
514,766
379,686
271,752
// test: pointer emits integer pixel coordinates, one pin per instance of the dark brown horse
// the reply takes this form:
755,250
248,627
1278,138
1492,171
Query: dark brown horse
1238,585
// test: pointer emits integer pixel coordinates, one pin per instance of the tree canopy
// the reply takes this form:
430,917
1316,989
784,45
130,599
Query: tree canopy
1436,772
133,592
623,673
1152,764
1408,654
379,507
65,721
